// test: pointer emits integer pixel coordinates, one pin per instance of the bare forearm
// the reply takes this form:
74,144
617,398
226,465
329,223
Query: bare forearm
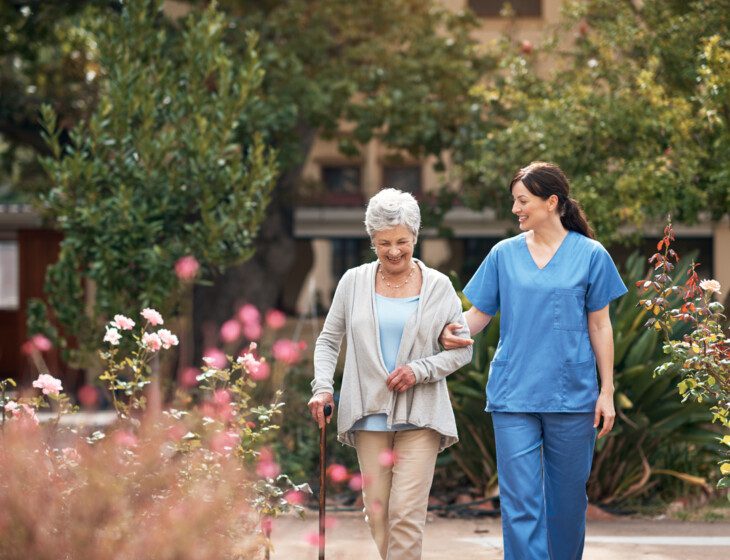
476,320
602,343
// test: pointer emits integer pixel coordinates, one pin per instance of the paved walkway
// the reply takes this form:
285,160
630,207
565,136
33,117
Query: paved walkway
349,539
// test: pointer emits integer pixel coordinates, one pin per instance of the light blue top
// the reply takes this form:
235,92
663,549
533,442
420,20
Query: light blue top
544,360
392,316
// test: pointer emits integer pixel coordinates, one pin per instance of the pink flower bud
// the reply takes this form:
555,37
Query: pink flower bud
355,483
188,377
387,458
252,331
275,319
249,314
88,396
286,351
230,331
41,343
337,473
186,268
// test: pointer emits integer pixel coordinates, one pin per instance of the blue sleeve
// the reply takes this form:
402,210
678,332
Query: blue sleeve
483,288
604,281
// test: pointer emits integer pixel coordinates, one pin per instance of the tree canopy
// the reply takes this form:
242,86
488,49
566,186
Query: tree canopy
635,109
156,172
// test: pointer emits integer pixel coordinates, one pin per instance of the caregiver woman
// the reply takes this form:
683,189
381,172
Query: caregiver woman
552,284
393,401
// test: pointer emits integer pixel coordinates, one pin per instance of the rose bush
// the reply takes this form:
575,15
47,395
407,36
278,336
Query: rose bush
193,480
702,356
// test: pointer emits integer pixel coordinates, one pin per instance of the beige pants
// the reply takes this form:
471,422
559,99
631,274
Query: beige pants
396,497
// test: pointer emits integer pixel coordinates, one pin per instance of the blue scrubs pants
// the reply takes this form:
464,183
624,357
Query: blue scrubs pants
543,462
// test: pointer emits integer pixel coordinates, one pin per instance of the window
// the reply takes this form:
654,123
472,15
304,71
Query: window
342,179
348,253
9,272
492,8
342,186
404,177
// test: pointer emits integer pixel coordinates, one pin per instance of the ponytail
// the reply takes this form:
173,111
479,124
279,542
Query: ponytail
574,218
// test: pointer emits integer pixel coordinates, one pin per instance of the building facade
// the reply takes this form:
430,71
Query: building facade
329,226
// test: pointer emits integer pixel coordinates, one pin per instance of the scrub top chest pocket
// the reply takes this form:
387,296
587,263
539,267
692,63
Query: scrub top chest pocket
569,309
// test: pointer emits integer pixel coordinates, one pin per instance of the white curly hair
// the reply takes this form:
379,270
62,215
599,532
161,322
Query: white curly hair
392,208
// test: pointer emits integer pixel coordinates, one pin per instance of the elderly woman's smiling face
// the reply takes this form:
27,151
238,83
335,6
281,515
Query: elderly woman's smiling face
394,248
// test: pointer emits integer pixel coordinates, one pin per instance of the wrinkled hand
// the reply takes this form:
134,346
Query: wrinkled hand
316,408
605,409
401,379
450,341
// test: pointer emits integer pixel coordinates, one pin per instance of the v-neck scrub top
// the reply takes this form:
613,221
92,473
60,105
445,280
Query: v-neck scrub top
544,360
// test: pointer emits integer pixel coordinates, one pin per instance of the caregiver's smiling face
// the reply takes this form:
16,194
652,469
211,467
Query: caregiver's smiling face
531,210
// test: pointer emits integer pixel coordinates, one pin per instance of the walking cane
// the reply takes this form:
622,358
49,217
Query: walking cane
322,479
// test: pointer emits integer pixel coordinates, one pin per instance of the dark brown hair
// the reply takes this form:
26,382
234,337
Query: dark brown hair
545,179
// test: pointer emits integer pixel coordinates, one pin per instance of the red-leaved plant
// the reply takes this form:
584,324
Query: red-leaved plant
702,356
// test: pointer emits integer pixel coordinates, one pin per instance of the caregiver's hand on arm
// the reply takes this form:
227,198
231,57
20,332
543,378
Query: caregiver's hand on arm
401,379
316,407
475,320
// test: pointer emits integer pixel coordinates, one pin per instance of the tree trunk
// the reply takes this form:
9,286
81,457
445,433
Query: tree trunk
261,279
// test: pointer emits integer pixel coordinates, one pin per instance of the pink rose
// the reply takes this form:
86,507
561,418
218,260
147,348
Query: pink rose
151,341
188,377
224,442
249,314
112,336
337,473
252,331
257,369
387,458
215,358
711,286
268,469
355,483
168,339
286,351
153,317
48,384
230,330
122,322
294,497
221,397
186,268
125,438
275,319
41,343
313,539
26,412
88,396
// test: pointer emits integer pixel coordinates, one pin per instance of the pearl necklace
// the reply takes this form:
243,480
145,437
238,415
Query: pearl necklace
396,286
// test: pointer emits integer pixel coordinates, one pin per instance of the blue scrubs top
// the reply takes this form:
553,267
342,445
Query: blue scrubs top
544,361
392,316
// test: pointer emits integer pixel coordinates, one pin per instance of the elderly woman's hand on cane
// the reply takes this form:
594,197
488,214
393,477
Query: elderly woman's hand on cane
316,408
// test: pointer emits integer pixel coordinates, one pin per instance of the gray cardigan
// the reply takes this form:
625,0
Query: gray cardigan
364,391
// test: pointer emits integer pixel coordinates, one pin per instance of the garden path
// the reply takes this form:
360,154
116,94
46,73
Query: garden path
349,539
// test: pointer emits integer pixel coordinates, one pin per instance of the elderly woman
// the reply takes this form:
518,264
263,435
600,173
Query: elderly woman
394,405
